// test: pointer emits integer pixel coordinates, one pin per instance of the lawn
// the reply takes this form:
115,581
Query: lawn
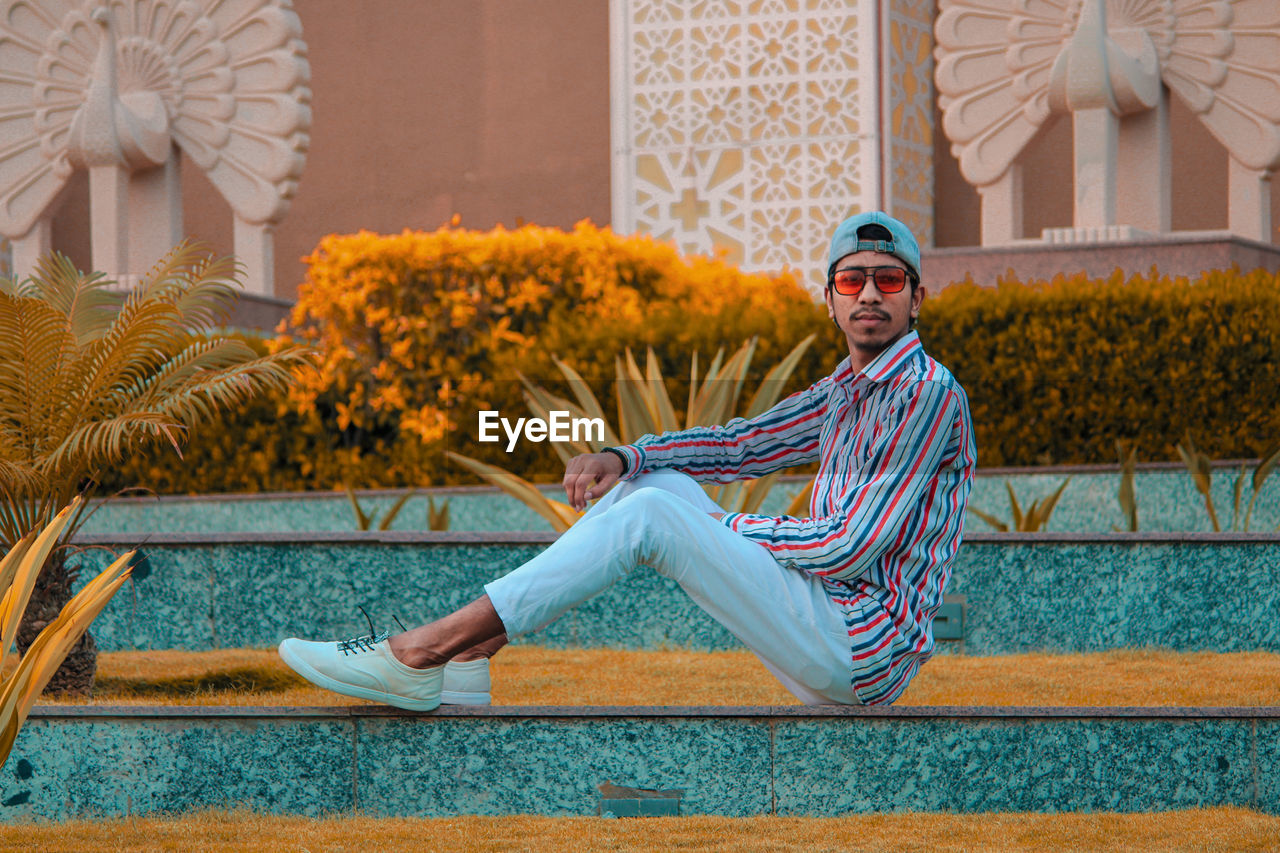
529,675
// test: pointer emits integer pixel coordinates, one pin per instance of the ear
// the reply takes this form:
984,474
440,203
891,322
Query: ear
831,308
917,297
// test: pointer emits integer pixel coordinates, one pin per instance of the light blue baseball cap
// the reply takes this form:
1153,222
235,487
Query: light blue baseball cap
903,246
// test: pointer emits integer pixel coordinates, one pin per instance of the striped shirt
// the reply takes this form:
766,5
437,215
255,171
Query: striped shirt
895,453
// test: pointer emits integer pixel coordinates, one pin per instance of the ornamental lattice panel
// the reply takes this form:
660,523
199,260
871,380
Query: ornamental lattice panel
752,128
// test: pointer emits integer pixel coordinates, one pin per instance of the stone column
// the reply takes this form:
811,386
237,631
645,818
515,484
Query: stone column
1144,169
1002,208
1249,205
255,250
30,247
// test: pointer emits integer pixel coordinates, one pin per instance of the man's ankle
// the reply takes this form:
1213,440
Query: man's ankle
413,656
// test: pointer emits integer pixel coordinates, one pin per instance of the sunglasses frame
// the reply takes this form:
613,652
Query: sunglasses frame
872,273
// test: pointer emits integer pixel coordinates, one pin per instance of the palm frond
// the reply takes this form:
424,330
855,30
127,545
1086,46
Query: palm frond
207,392
718,397
989,519
100,442
541,403
83,299
586,398
200,356
24,496
201,286
34,347
133,346
1266,465
87,377
633,415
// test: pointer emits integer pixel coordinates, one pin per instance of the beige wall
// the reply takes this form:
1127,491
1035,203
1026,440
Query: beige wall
498,110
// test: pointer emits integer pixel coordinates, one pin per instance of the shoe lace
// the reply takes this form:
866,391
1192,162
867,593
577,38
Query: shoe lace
366,642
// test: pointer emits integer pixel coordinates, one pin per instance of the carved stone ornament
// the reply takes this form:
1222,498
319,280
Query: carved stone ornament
116,87
1004,66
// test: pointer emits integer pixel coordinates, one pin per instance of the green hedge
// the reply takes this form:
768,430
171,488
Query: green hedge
1056,372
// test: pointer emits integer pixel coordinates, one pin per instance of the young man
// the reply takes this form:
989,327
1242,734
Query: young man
838,606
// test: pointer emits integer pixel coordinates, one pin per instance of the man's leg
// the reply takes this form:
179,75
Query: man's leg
481,651
672,481
663,520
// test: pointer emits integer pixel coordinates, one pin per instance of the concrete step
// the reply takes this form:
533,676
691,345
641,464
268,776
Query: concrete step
76,761
1011,592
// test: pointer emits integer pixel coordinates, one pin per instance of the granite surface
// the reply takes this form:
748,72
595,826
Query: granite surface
1166,496
554,766
69,768
733,761
1021,594
1066,597
957,765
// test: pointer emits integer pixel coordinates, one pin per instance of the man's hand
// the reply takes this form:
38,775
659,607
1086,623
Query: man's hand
590,475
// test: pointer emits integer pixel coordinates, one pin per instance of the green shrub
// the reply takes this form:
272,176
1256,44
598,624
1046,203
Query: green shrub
1057,372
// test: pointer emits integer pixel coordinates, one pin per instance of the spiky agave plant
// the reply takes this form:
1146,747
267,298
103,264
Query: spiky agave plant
88,375
19,570
644,406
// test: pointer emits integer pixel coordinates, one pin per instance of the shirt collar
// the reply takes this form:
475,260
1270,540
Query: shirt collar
892,360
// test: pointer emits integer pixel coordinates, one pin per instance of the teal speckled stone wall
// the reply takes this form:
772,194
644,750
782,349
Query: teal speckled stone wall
98,762
1167,501
1021,592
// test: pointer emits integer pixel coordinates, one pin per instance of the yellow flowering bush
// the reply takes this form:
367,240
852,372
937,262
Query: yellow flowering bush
1058,371
420,330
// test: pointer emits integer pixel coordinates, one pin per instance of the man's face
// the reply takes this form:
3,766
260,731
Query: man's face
872,321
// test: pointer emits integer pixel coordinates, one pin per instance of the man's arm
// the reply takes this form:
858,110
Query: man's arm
784,436
903,462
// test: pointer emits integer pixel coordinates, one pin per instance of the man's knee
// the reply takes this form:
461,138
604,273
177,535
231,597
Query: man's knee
649,503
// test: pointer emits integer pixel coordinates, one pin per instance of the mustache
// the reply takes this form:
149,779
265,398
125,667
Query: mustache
881,315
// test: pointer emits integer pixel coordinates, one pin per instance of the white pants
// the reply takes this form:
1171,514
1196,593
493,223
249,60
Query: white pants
661,519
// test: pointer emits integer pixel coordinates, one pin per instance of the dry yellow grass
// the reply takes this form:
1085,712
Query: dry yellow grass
1217,829
525,675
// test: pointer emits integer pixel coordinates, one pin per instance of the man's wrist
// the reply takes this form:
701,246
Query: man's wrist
626,463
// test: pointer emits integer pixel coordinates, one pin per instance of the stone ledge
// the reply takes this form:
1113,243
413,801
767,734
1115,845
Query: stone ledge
84,762
1021,593
1176,254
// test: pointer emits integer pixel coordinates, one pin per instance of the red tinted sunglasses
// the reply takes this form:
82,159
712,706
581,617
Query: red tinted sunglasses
851,280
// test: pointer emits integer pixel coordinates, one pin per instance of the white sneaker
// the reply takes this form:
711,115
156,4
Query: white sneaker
466,683
364,667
